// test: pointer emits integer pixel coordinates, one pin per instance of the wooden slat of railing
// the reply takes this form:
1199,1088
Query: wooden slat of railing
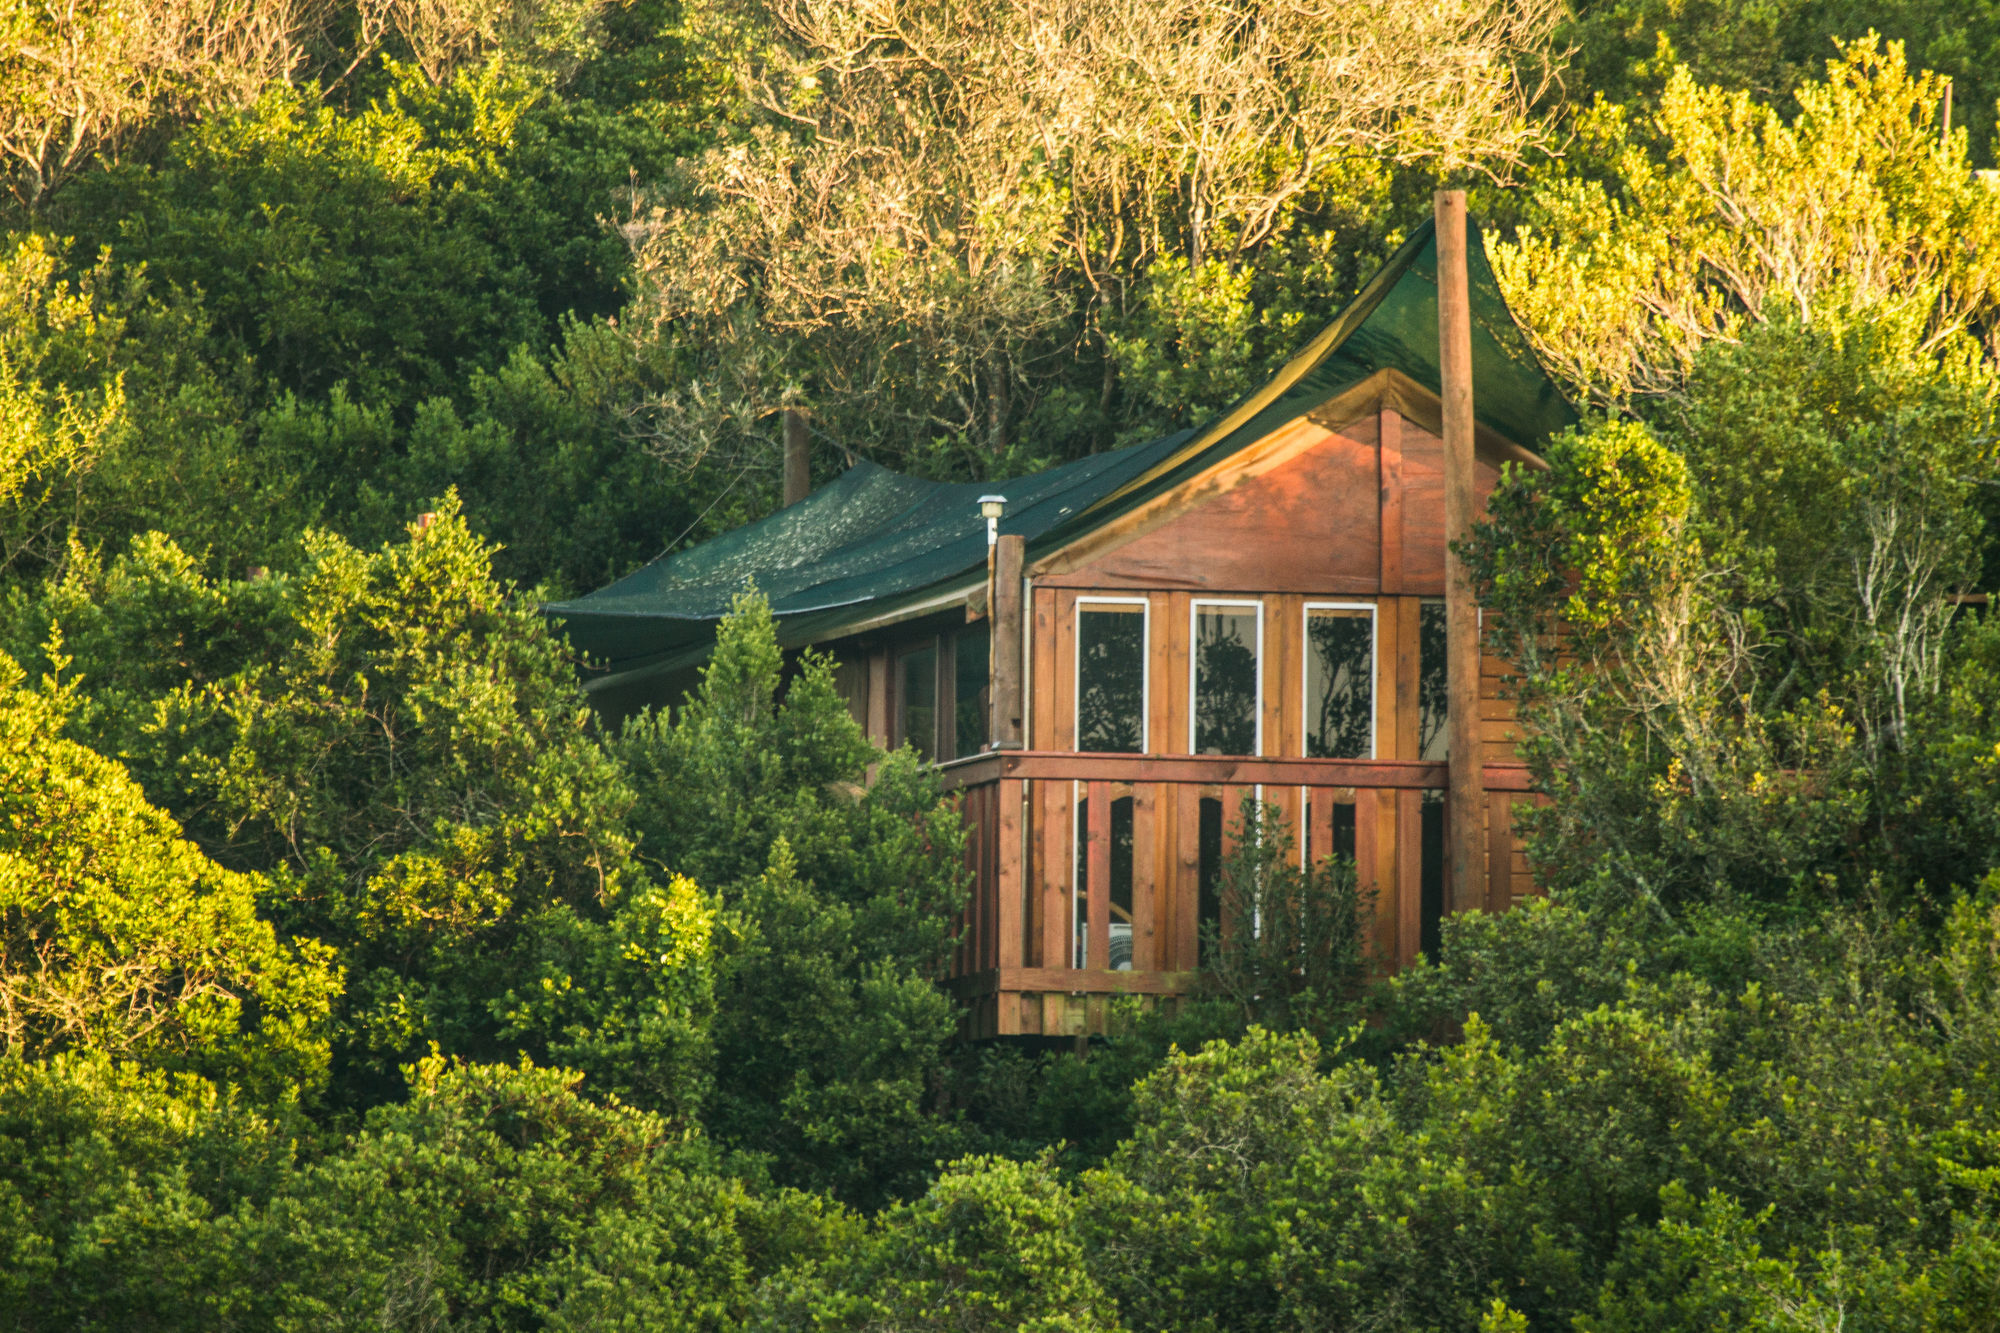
1056,862
1010,887
1145,860
1097,954
989,900
1317,833
1286,798
1211,769
1369,810
1186,892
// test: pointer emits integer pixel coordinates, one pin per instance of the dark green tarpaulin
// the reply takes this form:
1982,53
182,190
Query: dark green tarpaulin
872,540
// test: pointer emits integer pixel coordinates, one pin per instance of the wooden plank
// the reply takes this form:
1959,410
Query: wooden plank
1375,773
1222,769
1159,671
1466,798
1374,867
878,697
1097,850
1291,806
1409,668
1008,882
1041,716
1007,692
989,876
1499,852
1186,895
1389,477
1061,686
1145,864
1175,740
1284,656
1317,842
1409,876
1056,862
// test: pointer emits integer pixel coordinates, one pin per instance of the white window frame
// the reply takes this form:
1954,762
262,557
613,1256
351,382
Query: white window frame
1145,606
1194,661
1374,669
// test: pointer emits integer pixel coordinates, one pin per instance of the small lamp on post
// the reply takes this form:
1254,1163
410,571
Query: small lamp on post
991,507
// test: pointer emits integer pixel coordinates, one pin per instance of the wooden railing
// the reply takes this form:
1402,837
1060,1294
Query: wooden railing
1019,933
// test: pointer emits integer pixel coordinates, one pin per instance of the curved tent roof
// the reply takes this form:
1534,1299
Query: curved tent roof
874,541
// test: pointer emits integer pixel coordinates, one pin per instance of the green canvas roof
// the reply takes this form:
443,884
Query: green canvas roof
874,542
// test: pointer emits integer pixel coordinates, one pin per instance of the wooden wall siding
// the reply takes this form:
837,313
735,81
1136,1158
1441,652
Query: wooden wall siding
1307,526
1420,468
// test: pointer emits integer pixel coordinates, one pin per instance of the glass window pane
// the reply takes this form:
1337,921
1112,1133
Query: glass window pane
1433,735
916,691
1225,679
1111,677
1340,683
970,700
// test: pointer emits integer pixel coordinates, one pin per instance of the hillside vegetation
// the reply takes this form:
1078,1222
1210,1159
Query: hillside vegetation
352,976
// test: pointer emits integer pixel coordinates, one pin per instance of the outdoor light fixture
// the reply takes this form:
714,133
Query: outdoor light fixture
990,508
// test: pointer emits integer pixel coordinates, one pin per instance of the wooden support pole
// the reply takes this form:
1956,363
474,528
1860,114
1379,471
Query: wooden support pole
798,458
1465,813
1009,555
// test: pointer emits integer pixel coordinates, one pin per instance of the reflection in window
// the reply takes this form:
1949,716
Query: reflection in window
916,694
1433,735
1225,679
1111,677
1340,682
1121,884
970,700
1208,906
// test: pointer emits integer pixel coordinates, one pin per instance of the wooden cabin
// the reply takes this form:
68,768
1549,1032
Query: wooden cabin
1253,607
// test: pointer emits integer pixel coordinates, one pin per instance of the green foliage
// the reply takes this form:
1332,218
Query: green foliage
493,1197
394,249
1664,233
837,899
119,936
994,1245
1728,627
498,1197
1626,50
404,749
112,1181
1289,949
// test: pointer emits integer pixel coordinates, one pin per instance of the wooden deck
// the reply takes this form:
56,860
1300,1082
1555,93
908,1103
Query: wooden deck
1021,963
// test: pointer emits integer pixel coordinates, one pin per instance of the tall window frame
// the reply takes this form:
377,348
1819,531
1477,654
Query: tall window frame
926,745
1374,670
1195,609
1145,606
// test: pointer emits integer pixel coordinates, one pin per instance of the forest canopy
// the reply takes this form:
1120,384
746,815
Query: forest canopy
354,973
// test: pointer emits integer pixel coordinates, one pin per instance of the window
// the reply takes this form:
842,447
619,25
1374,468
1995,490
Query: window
970,700
916,699
1227,666
1340,681
1111,675
1433,695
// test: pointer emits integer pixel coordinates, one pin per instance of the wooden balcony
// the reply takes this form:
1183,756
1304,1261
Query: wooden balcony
1151,829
